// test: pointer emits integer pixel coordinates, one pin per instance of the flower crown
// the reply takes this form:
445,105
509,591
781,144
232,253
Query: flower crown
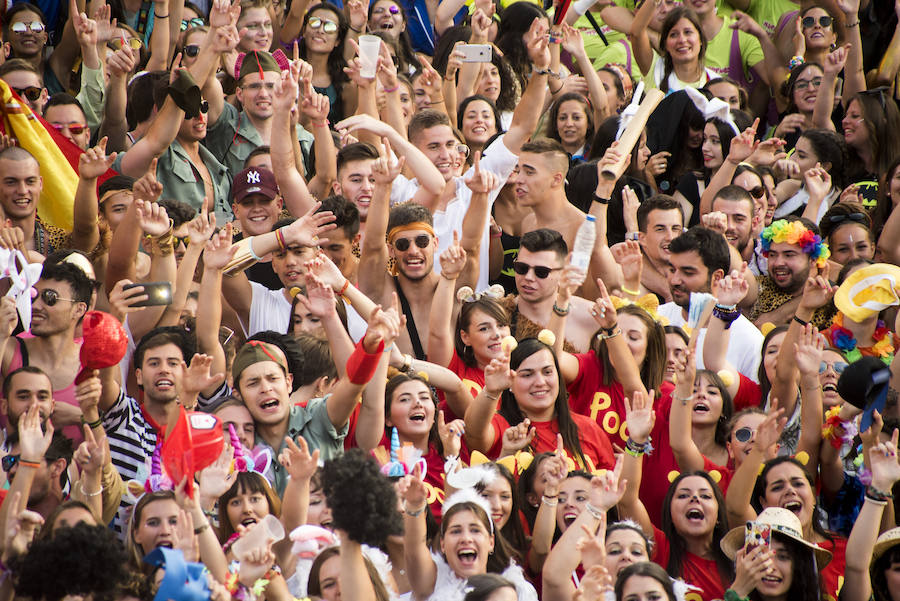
794,232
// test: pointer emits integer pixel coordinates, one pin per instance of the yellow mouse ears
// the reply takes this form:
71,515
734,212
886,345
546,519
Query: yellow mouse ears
800,456
716,475
547,337
509,344
726,376
294,291
648,302
766,328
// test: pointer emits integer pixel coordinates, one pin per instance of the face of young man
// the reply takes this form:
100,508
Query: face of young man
266,391
25,82
20,187
290,265
356,183
531,286
662,227
340,249
788,266
416,261
54,310
161,372
25,390
440,145
740,221
255,94
538,176
687,274
70,121
257,213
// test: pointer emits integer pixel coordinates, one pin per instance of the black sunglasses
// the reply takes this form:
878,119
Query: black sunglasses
808,22
32,93
541,271
51,297
422,241
743,434
856,217
757,192
8,462
879,92
191,50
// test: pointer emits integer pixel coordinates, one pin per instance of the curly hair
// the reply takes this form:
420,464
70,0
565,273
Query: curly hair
353,487
85,560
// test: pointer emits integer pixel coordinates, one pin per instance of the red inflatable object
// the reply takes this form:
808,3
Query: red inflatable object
192,444
104,344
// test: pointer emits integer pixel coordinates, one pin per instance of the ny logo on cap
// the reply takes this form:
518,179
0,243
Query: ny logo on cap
253,177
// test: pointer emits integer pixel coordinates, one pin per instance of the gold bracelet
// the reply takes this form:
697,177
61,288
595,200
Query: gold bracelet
631,292
161,245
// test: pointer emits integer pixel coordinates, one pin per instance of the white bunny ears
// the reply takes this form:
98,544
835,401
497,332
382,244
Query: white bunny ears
24,276
712,108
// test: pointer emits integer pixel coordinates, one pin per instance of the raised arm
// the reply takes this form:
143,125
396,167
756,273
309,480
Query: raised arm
640,417
480,433
210,299
573,43
887,70
200,229
419,565
686,453
114,125
640,39
373,259
854,78
91,164
742,146
773,69
729,291
528,111
443,303
291,184
545,521
475,221
808,352
301,466
824,106
159,37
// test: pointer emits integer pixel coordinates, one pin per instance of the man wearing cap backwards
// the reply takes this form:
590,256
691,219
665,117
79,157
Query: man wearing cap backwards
233,135
263,380
792,246
256,205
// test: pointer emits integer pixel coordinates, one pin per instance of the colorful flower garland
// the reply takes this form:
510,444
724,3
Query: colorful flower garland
843,340
794,232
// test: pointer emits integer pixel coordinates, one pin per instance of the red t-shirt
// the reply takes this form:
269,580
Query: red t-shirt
833,574
604,404
472,377
695,570
594,442
749,394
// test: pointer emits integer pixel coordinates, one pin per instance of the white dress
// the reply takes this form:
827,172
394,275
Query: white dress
450,587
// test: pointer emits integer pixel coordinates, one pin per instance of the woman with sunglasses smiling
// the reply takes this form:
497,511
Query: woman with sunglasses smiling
814,175
322,45
26,31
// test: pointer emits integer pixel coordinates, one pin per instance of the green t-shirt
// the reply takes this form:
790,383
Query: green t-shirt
769,12
718,51
593,45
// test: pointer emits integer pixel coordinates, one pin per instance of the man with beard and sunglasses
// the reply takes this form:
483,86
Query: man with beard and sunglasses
186,169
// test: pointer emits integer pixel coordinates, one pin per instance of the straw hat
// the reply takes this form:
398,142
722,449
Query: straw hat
782,521
889,538
868,290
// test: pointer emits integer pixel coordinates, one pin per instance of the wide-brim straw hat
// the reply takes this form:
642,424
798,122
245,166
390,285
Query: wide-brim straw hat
889,538
782,521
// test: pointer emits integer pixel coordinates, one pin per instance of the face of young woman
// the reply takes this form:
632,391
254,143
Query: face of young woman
318,514
317,40
572,123
478,123
329,582
712,147
466,544
787,487
489,82
850,241
643,588
643,153
804,155
304,322
157,525
737,449
675,349
386,17
539,484
536,386
484,335
614,102
817,36
726,92
707,402
259,30
623,548
683,42
892,578
694,508
828,379
412,410
855,132
806,88
635,332
778,580
574,494
770,355
499,496
406,102
247,508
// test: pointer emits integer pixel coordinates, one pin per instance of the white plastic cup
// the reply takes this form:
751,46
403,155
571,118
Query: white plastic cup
258,535
369,49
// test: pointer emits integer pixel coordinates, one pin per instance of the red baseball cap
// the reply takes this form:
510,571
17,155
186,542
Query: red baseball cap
254,180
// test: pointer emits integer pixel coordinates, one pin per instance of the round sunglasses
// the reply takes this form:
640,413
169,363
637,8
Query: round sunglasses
743,434
809,22
403,244
23,27
327,26
51,297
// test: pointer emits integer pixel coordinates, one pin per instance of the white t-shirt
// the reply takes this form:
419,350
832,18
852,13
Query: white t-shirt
269,310
744,346
497,159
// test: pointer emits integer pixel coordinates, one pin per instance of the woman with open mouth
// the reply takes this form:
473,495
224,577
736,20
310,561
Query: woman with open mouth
693,519
466,542
244,504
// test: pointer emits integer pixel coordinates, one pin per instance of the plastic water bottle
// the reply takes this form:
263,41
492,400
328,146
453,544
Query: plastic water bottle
584,243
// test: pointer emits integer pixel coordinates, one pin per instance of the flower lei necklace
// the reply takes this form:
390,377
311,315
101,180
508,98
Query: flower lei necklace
843,340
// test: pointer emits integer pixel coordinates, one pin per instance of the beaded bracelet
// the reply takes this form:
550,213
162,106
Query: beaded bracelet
725,314
795,61
560,311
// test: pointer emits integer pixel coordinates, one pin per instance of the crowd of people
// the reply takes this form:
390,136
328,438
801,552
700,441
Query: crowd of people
447,300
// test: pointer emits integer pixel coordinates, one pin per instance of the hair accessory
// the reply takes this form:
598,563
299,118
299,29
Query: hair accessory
712,109
648,302
468,495
403,458
481,473
794,232
726,376
547,337
258,460
466,295
631,110
766,328
294,291
22,288
781,521
517,463
509,344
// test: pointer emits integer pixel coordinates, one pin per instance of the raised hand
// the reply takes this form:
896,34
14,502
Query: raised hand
306,230
319,299
768,152
315,107
751,564
570,280
255,563
593,546
595,585
147,187
357,14
106,27
453,259
572,41
89,455
817,290
818,182
223,12
384,325
186,540
217,478
85,28
386,70
608,489
455,60
834,62
883,463
385,170
299,463
537,43
497,376
518,437
716,221
286,91
658,163
481,25
33,442
197,377
123,301
808,351
121,62
412,490
790,123
743,145
21,528
152,218
9,316
731,289
769,431
480,182
744,22
94,162
630,258
640,416
603,311
201,227
12,237
557,469
611,161
87,395
326,271
451,434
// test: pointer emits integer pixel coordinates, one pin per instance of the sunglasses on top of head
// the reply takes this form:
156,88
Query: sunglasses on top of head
403,244
195,22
